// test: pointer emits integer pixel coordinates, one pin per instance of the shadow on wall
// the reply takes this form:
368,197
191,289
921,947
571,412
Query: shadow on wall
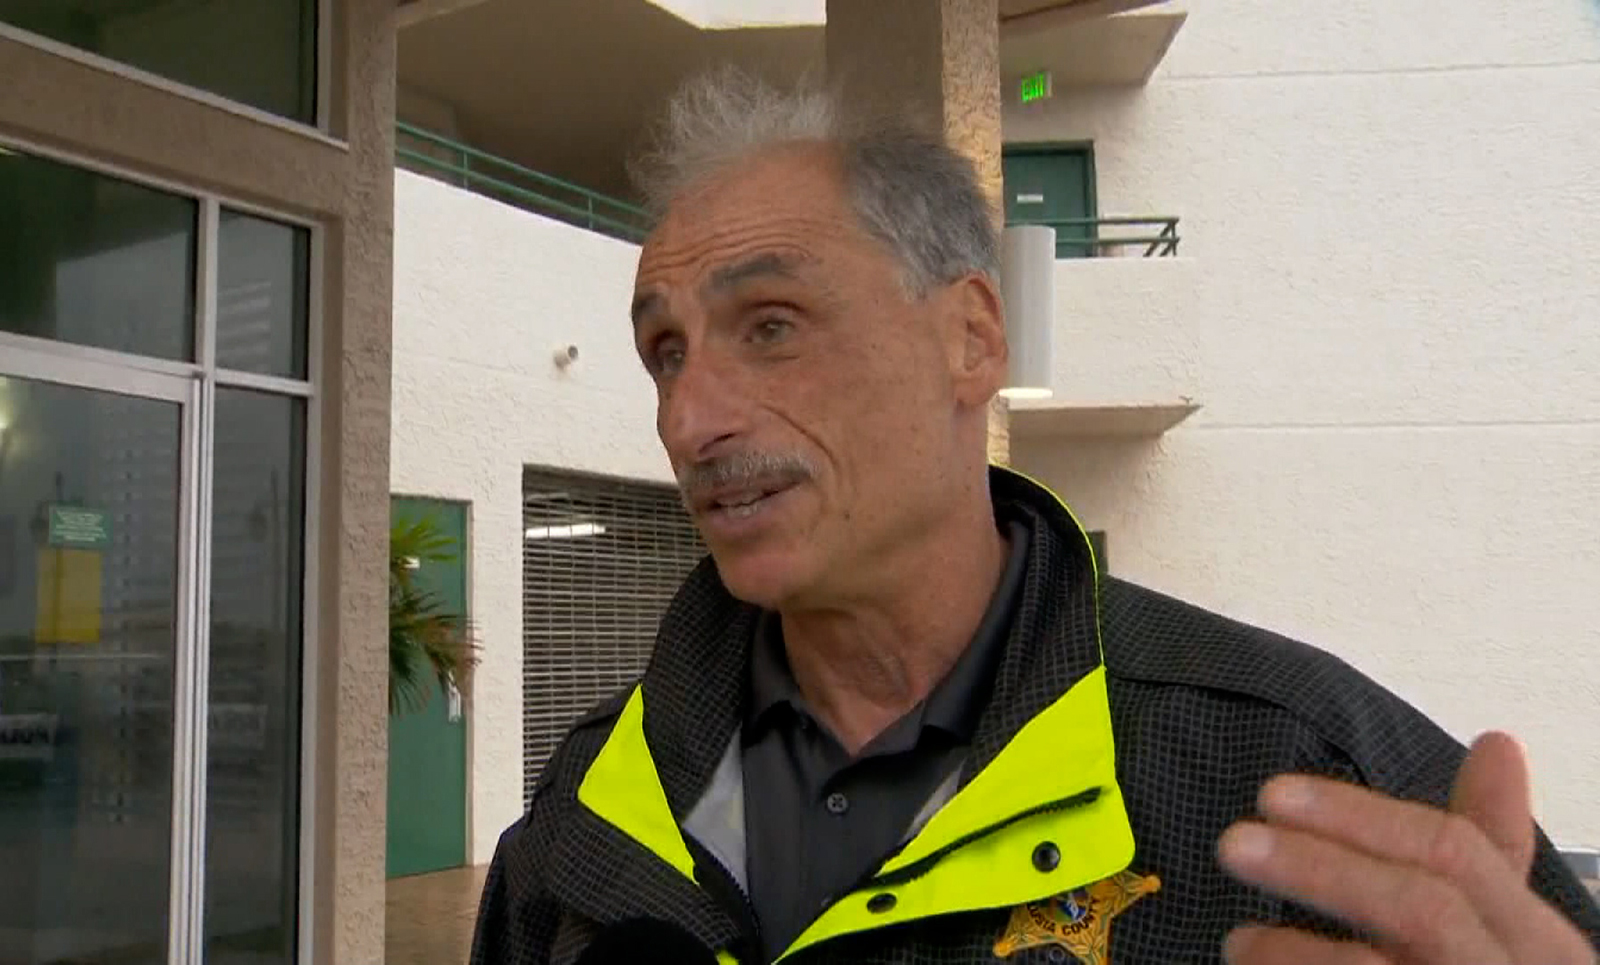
1103,480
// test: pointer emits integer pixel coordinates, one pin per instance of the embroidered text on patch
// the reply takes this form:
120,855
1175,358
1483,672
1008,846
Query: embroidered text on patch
1079,921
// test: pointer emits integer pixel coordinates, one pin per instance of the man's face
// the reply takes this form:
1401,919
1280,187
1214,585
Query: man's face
810,406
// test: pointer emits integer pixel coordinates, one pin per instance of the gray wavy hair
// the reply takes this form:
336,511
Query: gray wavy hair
909,188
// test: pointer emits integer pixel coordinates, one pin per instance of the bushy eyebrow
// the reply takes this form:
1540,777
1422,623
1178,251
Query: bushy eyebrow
770,264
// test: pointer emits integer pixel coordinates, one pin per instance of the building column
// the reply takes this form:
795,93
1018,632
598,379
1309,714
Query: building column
350,756
939,59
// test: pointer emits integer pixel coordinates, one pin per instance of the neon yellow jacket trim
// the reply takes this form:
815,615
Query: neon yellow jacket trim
1032,793
1053,783
623,787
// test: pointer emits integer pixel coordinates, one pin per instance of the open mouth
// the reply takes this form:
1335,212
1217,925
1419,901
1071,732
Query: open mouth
743,503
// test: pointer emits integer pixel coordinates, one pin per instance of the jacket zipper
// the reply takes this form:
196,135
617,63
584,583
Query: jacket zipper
726,889
727,886
919,868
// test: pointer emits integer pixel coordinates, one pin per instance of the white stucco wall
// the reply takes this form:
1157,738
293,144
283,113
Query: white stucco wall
484,294
1394,326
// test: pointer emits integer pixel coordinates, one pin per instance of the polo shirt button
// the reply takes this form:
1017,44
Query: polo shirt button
838,803
1046,857
880,903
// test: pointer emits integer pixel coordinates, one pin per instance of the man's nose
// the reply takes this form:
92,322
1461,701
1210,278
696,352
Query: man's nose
703,410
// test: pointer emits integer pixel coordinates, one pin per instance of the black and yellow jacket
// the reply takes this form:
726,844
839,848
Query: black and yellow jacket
1125,731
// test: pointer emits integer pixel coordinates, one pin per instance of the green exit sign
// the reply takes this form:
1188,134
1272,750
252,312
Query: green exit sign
1035,87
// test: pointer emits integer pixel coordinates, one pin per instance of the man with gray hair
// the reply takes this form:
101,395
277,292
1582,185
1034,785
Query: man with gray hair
898,715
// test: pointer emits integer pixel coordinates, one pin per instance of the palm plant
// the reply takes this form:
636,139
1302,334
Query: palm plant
426,640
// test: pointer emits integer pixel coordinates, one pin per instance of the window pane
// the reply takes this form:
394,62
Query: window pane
262,295
257,52
253,789
94,260
88,604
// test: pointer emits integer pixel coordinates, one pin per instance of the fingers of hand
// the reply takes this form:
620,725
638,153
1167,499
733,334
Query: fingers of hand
1493,791
1286,946
1404,905
1403,869
1447,846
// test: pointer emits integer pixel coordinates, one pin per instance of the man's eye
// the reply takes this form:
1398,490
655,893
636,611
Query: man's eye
666,357
669,360
771,330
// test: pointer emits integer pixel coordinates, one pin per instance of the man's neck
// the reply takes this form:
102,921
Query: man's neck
864,664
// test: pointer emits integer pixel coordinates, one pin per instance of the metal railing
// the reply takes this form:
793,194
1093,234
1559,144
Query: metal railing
424,152
1110,237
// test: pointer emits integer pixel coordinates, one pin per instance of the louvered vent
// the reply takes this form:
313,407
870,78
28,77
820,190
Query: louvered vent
601,560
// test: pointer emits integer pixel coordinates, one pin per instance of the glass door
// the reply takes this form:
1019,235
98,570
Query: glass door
95,462
156,405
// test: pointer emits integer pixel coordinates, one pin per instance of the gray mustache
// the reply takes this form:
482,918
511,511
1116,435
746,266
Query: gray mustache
742,469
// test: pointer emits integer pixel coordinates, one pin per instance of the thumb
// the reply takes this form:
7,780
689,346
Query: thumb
1492,791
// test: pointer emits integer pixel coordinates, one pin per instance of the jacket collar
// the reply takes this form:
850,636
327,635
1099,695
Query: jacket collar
695,684
1047,705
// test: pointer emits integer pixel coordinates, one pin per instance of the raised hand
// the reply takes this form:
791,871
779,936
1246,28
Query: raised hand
1430,886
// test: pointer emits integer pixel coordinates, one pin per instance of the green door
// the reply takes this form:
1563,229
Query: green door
428,747
1044,185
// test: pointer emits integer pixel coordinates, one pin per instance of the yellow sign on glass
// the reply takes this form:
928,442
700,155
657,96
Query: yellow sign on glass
69,604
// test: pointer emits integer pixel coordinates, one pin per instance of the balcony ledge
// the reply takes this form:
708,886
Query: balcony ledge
1059,419
1082,46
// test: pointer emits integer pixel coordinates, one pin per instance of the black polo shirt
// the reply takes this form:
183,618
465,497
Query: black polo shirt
817,820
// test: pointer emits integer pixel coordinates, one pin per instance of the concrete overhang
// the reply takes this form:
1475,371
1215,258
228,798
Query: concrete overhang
1098,43
1051,420
413,12
568,87
740,14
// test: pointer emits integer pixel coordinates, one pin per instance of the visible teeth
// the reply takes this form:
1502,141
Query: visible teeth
743,505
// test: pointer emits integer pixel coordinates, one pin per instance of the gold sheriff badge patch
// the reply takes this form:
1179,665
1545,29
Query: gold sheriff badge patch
1079,921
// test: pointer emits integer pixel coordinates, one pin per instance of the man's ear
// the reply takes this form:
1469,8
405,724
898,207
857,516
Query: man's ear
979,362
